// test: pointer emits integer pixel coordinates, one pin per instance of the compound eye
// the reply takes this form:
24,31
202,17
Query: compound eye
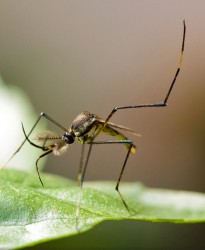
68,138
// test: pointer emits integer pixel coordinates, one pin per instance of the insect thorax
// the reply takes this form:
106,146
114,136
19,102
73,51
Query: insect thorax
84,127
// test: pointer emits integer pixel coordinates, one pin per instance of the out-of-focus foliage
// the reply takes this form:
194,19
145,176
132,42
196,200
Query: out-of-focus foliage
15,107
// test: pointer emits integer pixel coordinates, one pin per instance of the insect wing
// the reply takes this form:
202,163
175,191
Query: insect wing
113,125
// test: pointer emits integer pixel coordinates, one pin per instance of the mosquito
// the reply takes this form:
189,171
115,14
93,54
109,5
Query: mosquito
85,129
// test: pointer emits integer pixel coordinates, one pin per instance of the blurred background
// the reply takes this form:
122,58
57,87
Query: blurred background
71,56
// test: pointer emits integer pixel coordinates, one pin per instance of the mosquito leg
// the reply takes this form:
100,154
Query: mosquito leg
120,176
123,166
53,121
180,63
33,144
82,172
81,163
81,186
21,145
37,170
151,105
49,147
35,124
48,150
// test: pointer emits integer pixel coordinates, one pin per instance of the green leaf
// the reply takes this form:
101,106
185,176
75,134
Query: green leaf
31,214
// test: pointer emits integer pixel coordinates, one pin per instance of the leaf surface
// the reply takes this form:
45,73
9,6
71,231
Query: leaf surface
31,214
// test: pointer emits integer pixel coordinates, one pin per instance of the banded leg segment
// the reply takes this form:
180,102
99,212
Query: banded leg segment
152,105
